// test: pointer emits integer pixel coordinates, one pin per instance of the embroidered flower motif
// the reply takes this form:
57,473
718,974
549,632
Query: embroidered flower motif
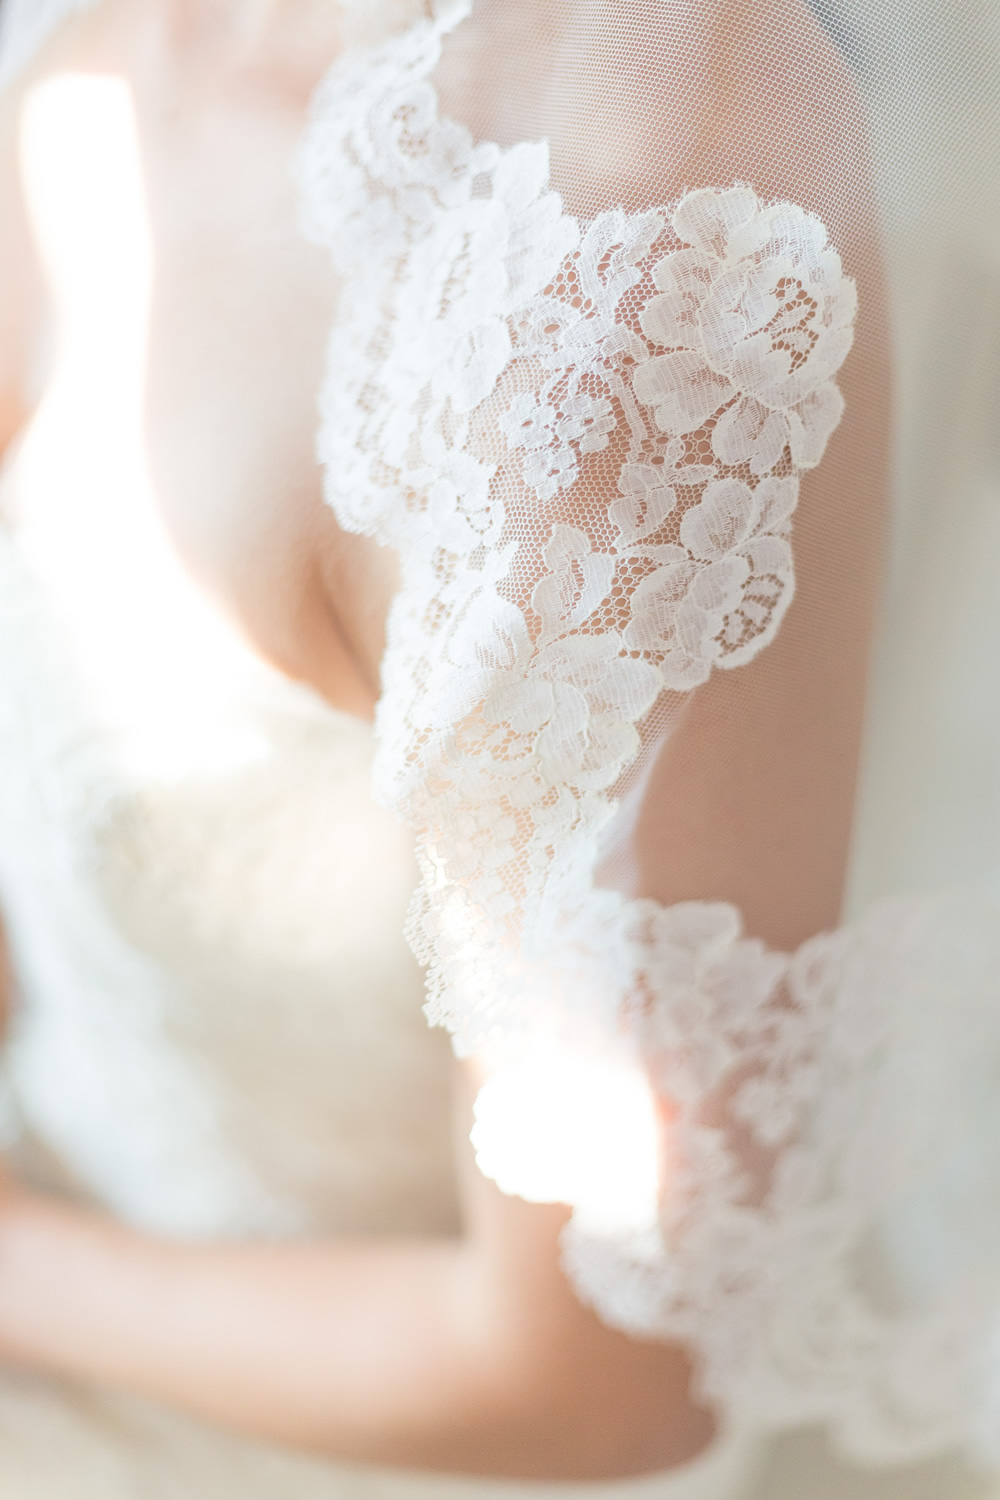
554,434
747,433
716,599
707,984
683,389
461,508
730,513
571,330
811,423
471,267
756,317
571,709
678,614
578,580
649,496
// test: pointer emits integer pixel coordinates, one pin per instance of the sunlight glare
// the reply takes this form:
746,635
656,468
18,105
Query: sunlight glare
556,1129
155,658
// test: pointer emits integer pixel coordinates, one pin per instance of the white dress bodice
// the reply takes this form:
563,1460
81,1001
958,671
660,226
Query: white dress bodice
220,1026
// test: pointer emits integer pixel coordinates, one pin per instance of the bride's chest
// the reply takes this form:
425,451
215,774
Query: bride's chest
191,323
238,312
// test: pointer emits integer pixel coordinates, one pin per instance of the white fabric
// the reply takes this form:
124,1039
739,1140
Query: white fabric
586,434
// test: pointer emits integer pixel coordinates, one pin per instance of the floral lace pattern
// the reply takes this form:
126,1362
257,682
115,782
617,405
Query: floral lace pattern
696,347
585,441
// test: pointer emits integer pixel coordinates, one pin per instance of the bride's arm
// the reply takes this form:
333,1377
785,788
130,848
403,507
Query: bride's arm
469,1355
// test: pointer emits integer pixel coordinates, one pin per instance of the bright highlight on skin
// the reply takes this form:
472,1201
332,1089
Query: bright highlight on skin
82,475
556,1129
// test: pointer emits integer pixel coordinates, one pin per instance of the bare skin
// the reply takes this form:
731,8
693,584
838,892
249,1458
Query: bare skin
470,1355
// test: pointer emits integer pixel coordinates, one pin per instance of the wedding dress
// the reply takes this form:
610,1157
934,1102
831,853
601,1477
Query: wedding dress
594,383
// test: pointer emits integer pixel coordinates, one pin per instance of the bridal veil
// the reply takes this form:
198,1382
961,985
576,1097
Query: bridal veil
668,363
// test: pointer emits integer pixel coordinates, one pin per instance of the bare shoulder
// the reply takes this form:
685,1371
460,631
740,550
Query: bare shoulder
703,93
788,94
81,45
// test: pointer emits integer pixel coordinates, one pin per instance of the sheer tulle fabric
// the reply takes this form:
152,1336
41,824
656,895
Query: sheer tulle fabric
613,377
585,388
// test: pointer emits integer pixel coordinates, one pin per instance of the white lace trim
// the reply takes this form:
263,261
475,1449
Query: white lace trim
500,370
535,630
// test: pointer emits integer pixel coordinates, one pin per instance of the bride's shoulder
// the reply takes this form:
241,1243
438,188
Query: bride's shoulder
703,93
40,44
